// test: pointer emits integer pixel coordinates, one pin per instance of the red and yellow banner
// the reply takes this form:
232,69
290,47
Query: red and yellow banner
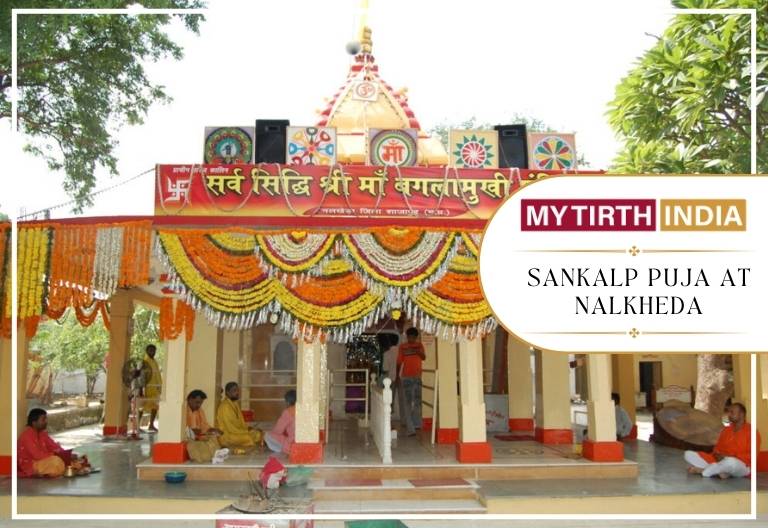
272,190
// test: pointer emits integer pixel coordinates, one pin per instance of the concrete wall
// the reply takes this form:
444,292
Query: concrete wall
676,369
75,383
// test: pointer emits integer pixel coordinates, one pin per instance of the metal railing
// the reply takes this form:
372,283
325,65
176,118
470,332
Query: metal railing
272,373
333,383
433,403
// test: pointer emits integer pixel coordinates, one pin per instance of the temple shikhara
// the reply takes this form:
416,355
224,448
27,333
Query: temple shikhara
293,257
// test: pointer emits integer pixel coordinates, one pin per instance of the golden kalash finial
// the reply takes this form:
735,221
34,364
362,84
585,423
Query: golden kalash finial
362,42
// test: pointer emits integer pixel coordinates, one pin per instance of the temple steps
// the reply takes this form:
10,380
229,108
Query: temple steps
367,507
521,471
401,489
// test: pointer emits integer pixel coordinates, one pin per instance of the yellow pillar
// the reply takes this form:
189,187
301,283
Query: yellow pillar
116,404
623,366
6,404
519,385
601,445
553,400
22,358
170,445
742,381
473,446
308,448
762,411
201,364
447,393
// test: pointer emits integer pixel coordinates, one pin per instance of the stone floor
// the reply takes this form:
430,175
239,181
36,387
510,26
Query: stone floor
662,471
464,523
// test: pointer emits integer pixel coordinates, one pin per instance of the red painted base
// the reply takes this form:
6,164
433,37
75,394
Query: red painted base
762,461
322,436
474,452
115,430
5,465
603,451
447,435
632,434
306,453
426,424
521,424
169,453
554,436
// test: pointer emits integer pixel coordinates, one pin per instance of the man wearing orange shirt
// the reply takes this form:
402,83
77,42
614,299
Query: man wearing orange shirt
731,456
409,358
196,419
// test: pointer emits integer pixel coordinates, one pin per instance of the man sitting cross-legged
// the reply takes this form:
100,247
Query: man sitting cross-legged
229,419
38,455
731,456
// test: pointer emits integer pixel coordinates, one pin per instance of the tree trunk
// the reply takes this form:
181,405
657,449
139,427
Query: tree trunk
714,385
90,383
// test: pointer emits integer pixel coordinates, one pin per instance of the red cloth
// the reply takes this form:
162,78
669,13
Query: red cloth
273,465
33,446
733,443
410,356
284,430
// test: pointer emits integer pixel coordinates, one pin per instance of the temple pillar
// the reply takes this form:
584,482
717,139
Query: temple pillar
762,411
447,395
473,446
742,381
553,401
116,403
601,446
22,369
201,365
170,447
6,406
308,449
519,385
623,370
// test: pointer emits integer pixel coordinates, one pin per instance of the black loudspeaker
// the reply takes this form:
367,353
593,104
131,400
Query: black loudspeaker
513,146
270,140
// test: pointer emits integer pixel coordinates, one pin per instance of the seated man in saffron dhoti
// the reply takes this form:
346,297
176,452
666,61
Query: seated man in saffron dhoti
283,434
196,419
732,454
38,455
229,419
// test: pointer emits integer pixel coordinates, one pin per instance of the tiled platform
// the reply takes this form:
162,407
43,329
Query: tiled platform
351,453
661,474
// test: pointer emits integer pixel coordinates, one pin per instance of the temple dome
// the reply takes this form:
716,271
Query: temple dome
380,107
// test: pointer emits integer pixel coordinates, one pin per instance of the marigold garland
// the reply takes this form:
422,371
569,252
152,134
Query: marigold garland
173,322
5,280
33,269
415,261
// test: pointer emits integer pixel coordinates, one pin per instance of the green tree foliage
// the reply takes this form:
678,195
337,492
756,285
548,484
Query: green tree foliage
532,124
146,324
66,346
685,107
81,77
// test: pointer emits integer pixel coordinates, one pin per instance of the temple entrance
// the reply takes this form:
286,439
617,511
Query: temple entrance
650,380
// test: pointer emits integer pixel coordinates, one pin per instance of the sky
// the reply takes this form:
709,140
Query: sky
556,60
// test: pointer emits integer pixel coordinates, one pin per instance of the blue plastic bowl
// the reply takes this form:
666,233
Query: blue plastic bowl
175,477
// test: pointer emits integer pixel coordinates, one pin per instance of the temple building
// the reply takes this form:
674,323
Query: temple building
285,276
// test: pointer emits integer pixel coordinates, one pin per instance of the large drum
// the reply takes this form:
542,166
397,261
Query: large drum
683,427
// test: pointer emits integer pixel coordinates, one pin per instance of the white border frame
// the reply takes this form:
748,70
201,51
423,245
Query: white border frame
14,322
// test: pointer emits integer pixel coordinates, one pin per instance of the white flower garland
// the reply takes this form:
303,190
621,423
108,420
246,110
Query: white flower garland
106,265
